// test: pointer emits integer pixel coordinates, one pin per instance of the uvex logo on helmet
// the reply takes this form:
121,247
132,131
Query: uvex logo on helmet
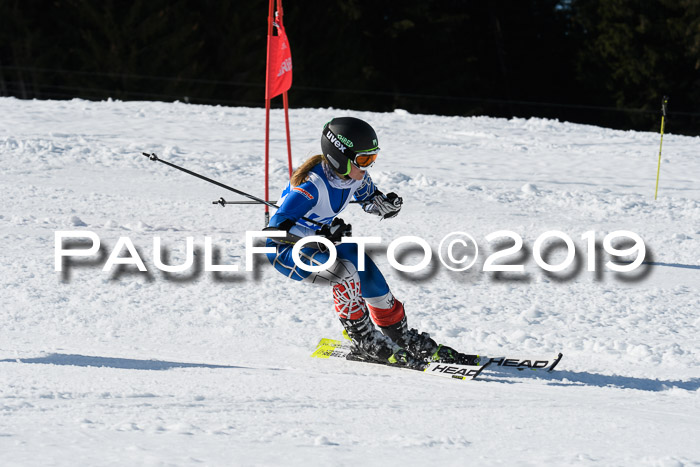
336,142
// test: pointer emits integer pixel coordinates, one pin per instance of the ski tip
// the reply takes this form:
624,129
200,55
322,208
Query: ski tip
556,362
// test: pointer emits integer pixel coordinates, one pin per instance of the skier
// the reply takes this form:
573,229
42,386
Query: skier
319,190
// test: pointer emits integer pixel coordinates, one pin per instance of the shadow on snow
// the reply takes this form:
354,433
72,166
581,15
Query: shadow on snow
674,265
572,378
556,378
107,362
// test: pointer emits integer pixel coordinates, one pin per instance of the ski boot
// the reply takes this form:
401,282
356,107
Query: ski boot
372,345
423,347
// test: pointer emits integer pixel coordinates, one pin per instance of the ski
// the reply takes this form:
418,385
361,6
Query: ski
331,348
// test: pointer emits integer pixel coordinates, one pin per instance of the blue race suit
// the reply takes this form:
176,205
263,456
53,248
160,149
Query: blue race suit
321,198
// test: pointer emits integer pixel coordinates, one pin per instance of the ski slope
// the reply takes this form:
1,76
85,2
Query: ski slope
130,368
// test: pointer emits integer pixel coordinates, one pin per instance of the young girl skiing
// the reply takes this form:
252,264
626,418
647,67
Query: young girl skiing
319,190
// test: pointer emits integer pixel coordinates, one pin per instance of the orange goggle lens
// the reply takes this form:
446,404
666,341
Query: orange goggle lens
365,160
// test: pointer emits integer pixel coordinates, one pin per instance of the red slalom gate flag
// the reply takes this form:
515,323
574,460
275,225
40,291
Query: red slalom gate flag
279,65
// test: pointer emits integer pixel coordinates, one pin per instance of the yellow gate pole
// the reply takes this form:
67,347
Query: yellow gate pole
664,104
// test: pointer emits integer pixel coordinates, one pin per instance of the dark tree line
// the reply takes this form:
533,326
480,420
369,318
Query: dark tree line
605,62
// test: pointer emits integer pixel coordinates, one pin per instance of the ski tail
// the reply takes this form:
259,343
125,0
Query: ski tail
328,348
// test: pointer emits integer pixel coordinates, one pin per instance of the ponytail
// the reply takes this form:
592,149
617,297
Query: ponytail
301,174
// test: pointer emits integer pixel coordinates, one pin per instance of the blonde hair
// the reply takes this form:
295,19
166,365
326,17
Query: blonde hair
301,174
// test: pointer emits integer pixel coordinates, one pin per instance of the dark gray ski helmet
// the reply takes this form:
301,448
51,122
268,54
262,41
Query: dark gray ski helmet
347,140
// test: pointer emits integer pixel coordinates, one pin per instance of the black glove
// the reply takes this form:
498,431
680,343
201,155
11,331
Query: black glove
336,231
284,226
385,206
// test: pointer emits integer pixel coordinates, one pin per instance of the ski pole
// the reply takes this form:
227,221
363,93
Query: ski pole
222,202
155,158
664,103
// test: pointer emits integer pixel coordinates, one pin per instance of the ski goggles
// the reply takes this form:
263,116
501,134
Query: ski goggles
365,160
362,161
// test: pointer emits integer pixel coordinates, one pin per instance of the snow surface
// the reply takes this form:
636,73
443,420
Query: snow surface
124,368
